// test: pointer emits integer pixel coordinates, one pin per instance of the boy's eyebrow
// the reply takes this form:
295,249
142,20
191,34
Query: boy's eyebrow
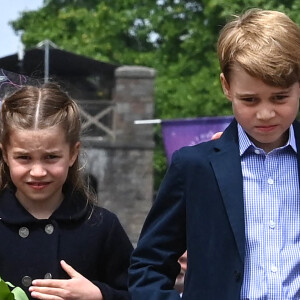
249,94
245,94
283,91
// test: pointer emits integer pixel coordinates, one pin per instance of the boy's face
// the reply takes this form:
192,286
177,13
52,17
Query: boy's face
265,112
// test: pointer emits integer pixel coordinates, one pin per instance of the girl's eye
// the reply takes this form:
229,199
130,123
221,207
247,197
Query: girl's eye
23,157
51,156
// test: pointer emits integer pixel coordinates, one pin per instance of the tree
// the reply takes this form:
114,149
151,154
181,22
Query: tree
99,29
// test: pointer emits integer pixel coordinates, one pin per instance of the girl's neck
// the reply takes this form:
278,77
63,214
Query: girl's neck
41,210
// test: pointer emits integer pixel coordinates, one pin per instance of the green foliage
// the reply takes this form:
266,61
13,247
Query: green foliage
6,293
98,29
176,37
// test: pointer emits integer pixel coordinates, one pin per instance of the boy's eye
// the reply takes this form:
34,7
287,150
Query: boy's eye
280,97
248,99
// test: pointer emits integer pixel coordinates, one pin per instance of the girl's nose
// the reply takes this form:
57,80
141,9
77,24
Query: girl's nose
37,170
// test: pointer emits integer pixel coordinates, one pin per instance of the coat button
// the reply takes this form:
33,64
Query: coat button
49,228
26,281
23,232
48,276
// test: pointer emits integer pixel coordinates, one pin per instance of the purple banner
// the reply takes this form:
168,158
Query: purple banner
10,81
187,132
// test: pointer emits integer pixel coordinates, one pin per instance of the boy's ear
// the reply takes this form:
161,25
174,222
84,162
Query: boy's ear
74,153
225,86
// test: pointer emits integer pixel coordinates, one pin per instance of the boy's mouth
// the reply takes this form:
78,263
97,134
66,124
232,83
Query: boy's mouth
266,128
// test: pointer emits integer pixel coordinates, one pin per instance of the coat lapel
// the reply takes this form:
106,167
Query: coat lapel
225,161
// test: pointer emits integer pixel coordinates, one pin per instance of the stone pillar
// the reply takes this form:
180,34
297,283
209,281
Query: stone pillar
124,167
134,95
134,98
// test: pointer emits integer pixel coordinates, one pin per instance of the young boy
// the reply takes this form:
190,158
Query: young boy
233,203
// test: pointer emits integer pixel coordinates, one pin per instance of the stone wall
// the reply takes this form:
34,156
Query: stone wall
124,166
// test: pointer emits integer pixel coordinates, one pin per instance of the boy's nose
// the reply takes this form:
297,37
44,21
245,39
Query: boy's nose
37,170
265,113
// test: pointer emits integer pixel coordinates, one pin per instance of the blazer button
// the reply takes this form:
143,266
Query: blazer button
49,228
26,281
24,232
48,276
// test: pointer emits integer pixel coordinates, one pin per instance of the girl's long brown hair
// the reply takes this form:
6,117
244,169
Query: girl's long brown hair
33,108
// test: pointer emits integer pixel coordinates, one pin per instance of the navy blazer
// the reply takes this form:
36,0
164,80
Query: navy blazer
199,207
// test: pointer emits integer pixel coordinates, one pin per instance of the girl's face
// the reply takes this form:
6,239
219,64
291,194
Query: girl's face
39,161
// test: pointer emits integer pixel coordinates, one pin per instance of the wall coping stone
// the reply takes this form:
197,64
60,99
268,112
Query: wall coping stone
139,72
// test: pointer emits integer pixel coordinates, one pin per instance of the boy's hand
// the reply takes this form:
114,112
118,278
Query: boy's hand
78,287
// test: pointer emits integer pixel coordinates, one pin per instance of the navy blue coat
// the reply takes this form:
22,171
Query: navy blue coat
199,207
87,237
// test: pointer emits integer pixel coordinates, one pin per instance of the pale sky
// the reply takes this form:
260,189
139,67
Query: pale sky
9,11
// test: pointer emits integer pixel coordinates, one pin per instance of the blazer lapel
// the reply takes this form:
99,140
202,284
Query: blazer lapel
227,167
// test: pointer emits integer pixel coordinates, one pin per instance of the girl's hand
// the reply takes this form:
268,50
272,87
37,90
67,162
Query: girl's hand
78,287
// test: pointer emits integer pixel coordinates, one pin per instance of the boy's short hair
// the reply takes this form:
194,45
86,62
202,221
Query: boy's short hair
266,44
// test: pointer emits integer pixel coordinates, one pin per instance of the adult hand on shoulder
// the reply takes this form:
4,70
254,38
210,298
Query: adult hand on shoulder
77,287
216,135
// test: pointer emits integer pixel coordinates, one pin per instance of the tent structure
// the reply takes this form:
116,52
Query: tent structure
61,62
63,66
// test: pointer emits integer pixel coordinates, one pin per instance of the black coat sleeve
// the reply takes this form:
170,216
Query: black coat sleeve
117,253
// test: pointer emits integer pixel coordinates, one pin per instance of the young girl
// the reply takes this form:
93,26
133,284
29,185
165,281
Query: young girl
55,242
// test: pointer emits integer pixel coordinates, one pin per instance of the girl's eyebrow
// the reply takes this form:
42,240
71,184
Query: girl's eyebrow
54,151
20,152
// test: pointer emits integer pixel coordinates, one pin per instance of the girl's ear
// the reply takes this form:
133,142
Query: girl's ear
74,151
225,87
3,153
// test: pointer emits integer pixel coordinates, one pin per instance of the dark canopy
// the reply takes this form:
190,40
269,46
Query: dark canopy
61,63
83,77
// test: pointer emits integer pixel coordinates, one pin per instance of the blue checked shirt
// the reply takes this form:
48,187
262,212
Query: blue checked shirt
272,221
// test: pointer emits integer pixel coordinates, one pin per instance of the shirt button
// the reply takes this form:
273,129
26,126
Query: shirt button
273,269
256,151
270,181
48,276
26,281
49,228
24,232
272,224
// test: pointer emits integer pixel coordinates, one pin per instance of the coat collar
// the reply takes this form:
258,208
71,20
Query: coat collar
73,207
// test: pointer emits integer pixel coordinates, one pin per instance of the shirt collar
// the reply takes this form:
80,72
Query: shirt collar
245,143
